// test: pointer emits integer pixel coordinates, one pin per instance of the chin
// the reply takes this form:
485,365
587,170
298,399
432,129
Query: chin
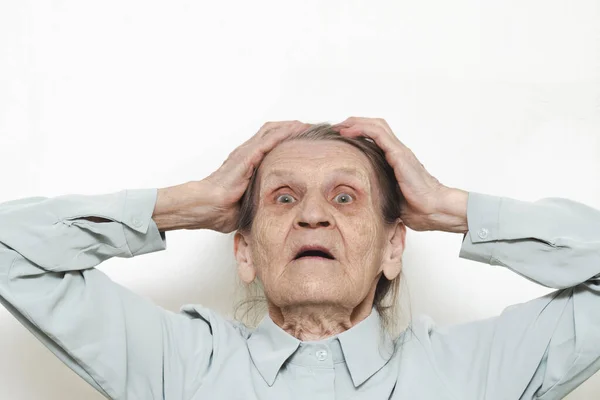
314,292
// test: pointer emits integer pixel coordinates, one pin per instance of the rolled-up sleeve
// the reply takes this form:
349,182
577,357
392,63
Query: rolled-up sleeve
119,342
546,347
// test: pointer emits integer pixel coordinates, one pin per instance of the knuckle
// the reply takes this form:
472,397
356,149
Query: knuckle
239,152
267,125
233,154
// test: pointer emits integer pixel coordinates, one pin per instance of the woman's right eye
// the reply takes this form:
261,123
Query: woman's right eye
284,196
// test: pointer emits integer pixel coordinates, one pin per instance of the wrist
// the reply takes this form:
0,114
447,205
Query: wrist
452,212
182,207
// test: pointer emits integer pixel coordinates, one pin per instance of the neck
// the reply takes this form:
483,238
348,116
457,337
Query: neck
310,322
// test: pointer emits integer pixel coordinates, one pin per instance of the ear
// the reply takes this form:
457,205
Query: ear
394,248
246,270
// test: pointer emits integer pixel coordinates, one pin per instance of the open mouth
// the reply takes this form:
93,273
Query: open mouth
318,254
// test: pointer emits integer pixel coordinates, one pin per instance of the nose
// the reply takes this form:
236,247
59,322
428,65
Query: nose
313,213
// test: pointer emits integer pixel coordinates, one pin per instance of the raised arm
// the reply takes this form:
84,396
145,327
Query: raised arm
541,349
546,347
120,343
111,337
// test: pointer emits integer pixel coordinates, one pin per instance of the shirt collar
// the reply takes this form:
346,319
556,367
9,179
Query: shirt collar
270,347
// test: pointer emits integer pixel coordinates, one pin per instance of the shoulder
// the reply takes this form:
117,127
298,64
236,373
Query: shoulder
438,339
445,346
220,326
441,355
421,329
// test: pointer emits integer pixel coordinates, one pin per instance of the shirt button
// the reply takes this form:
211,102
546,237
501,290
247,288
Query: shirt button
321,355
137,222
483,233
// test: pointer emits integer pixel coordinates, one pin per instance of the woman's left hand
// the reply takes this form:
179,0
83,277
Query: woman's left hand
424,194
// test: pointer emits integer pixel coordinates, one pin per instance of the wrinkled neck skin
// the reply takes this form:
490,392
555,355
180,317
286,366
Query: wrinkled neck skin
312,322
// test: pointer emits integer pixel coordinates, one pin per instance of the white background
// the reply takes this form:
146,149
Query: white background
500,98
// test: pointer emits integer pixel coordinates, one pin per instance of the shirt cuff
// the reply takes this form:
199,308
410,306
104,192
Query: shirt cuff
141,232
483,220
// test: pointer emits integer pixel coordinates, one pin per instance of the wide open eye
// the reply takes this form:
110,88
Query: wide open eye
344,195
288,196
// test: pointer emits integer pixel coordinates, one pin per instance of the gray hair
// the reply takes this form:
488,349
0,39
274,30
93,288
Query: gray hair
251,309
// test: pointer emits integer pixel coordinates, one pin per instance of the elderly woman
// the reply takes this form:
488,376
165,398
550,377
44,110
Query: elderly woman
321,215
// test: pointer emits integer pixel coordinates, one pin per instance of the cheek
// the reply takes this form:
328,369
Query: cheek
365,229
365,245
268,230
269,237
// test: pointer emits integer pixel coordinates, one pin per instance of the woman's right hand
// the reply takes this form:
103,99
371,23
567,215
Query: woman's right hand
227,185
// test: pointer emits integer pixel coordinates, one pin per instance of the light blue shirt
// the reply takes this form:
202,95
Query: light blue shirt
129,348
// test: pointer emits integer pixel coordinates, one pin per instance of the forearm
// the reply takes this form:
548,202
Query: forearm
49,283
184,206
47,231
552,241
167,212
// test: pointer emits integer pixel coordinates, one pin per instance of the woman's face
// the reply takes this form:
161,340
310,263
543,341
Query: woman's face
318,193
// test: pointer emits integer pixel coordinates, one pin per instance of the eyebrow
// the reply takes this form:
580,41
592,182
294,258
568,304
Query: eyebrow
276,173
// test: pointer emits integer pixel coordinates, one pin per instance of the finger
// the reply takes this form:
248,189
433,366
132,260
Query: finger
259,151
368,121
382,122
299,128
373,122
357,120
271,127
268,129
274,137
369,125
387,141
268,136
244,160
281,133
348,122
339,126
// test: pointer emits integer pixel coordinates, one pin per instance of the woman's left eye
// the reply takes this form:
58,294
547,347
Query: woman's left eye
346,195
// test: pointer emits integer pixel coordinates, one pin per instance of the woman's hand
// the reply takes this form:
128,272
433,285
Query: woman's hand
227,185
213,202
427,199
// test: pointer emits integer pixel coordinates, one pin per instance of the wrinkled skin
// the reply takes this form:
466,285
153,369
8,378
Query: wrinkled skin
312,204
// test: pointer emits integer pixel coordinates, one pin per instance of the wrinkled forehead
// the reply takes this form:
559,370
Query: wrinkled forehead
310,161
